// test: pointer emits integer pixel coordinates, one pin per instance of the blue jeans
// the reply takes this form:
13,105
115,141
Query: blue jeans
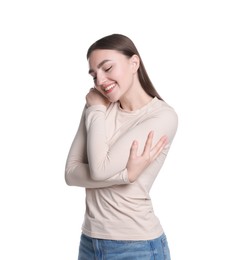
103,249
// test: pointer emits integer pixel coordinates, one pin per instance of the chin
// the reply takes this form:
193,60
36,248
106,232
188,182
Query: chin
113,98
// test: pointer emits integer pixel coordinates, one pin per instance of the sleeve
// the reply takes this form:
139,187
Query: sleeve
77,171
105,161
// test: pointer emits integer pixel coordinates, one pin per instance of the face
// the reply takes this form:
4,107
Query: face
113,73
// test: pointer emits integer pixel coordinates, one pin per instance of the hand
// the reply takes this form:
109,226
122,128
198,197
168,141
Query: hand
136,164
94,97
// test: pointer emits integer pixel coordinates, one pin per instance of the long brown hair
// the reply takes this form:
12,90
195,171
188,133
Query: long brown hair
124,45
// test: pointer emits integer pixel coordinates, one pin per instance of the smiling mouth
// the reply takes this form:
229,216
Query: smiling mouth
109,88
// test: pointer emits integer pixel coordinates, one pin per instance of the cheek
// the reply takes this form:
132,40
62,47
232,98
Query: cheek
122,76
117,74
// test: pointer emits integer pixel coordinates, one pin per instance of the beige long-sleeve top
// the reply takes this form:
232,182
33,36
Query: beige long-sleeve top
115,208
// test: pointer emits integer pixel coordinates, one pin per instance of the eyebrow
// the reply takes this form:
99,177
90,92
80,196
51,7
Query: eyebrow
99,65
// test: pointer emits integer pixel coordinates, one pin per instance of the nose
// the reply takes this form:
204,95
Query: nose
100,79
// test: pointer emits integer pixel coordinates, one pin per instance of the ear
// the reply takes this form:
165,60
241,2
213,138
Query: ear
135,63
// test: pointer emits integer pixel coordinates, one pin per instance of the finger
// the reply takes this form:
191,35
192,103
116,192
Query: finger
158,148
133,150
148,144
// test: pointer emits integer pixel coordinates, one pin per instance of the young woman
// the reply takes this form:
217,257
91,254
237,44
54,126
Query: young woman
122,141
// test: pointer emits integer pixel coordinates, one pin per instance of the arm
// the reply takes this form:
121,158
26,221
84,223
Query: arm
105,161
77,172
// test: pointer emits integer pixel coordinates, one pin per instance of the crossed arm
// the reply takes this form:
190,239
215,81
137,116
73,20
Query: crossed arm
88,167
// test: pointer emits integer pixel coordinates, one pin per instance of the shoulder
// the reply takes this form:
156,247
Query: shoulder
162,118
162,109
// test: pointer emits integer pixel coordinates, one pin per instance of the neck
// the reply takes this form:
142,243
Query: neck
135,98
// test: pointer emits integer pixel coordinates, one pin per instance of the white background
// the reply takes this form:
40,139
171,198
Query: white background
195,53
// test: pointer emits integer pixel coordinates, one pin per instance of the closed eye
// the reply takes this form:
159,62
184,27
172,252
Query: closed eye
108,69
